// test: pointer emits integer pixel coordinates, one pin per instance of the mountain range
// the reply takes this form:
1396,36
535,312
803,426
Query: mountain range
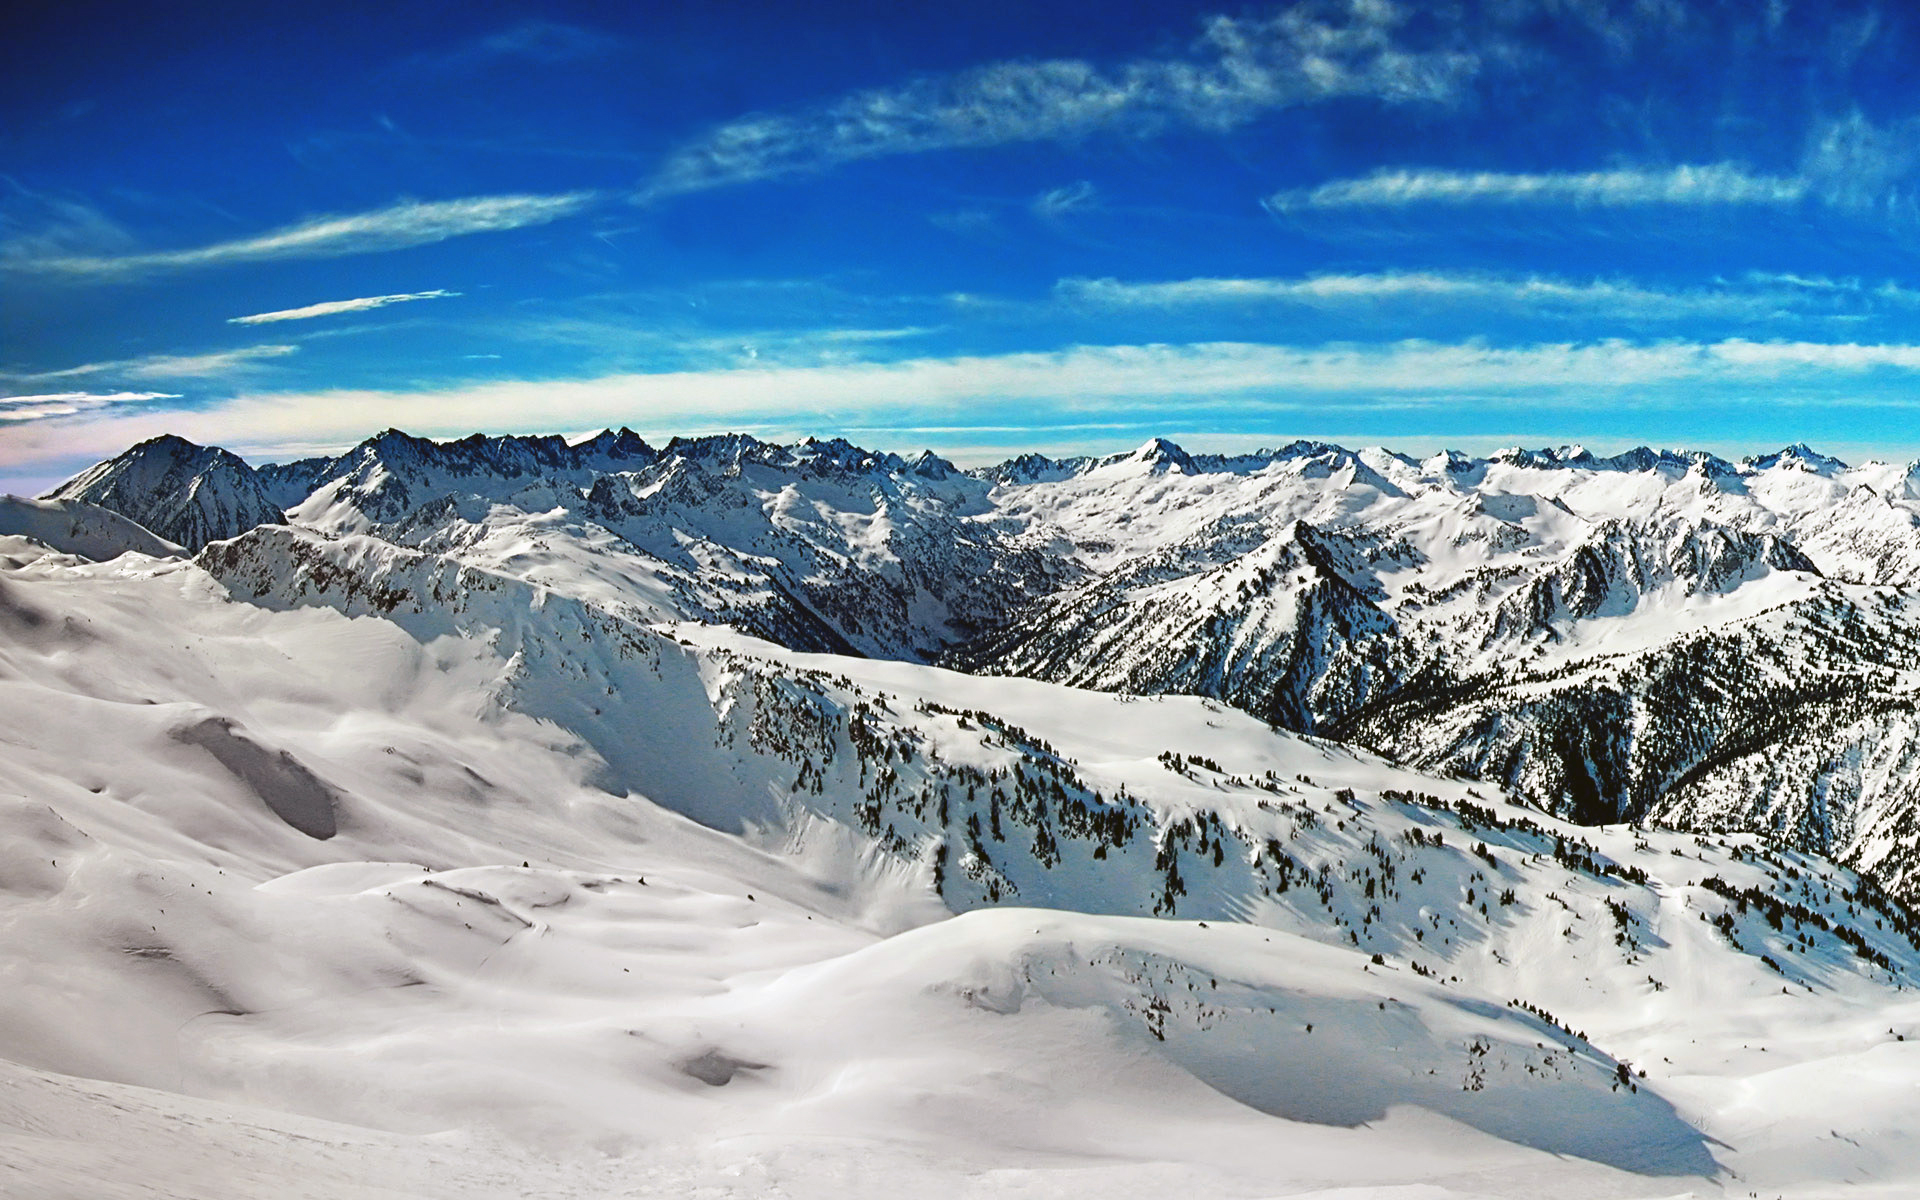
1652,636
512,815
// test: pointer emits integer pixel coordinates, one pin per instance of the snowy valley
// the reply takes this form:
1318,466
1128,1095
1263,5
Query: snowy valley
511,816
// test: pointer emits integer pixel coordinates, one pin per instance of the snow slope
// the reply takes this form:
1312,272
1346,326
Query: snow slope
80,529
371,871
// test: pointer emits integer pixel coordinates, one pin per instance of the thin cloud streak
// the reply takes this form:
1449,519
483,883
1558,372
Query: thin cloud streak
328,308
1754,297
414,223
169,366
1058,202
1700,185
1330,290
48,405
536,42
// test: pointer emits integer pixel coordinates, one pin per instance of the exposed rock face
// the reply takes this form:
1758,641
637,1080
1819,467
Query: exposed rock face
187,494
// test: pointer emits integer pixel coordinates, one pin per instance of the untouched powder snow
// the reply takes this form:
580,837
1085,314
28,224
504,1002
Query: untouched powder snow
80,529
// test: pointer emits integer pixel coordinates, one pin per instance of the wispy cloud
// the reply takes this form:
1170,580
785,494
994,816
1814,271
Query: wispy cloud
967,222
1848,289
1238,69
169,366
66,404
328,308
1709,184
1058,202
37,224
1848,163
543,43
414,223
1858,164
1535,295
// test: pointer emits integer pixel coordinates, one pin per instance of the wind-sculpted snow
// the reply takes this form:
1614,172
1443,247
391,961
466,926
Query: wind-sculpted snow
295,794
81,529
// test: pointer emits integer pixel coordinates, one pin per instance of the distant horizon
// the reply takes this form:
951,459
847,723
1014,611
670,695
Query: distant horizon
1202,444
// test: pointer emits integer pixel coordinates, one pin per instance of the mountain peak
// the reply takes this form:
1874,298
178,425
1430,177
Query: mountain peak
1571,455
1453,462
1798,455
169,443
1032,467
620,445
181,491
1160,453
929,465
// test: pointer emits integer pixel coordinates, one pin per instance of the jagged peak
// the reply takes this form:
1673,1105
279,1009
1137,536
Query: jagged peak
1646,458
1450,462
1303,448
1571,455
168,453
731,447
1156,453
393,436
840,454
931,466
1798,455
1032,467
183,492
1160,451
174,448
505,454
622,441
169,443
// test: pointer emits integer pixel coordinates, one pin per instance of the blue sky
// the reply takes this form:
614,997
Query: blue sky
983,228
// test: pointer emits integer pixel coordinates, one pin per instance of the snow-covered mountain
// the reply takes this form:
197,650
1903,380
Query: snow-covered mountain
1536,618
1615,638
184,493
507,816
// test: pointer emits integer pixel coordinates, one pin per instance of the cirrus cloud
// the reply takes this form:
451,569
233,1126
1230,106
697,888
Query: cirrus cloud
168,366
1696,185
328,308
1238,69
47,405
396,227
1756,296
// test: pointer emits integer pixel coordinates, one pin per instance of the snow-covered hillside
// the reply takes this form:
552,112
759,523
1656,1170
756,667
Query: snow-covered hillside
511,818
1589,632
